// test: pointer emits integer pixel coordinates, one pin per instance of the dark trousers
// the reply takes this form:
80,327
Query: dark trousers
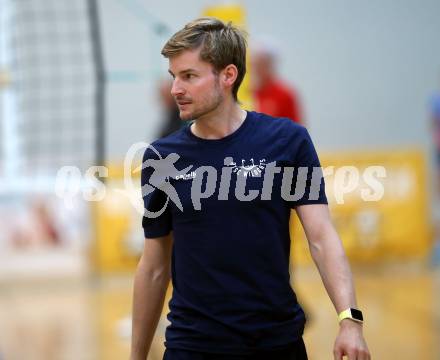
295,351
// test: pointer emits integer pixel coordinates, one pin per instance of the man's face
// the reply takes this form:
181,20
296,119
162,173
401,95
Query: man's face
196,88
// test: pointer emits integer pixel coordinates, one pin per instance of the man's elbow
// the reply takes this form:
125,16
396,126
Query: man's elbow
321,237
319,232
156,273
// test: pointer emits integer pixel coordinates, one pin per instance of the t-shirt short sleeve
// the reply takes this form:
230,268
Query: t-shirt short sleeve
307,169
156,220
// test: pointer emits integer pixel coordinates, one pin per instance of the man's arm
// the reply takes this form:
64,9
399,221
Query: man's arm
329,256
150,284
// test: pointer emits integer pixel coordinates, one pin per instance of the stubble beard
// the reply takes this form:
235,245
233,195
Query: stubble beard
208,105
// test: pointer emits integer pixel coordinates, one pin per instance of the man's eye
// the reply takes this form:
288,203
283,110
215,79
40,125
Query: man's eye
190,76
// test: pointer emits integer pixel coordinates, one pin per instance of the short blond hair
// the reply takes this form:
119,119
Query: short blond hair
221,44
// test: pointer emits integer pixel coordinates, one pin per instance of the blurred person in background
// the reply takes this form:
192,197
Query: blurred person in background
35,226
435,122
171,119
229,260
272,95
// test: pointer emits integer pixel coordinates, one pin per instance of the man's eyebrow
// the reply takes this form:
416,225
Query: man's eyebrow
183,71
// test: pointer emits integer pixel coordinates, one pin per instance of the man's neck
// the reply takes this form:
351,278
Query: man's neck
220,123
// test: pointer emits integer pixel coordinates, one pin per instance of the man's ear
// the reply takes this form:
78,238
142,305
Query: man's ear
228,75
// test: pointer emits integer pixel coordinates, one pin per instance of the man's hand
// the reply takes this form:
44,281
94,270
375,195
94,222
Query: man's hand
350,342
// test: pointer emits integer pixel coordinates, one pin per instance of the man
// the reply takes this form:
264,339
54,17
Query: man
226,249
272,96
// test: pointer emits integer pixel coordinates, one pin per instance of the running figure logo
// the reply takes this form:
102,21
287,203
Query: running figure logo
163,170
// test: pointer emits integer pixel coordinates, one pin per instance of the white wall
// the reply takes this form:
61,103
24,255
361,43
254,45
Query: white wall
365,69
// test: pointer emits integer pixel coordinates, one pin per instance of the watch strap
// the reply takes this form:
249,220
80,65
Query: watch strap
347,314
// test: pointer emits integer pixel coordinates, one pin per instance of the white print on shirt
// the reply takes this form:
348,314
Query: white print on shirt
248,170
189,176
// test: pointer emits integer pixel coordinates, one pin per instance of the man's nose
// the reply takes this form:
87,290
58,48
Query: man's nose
176,88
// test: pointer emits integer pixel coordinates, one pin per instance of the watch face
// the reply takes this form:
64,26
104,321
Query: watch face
356,314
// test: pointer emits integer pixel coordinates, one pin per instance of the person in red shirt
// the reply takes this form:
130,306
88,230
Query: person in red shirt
272,95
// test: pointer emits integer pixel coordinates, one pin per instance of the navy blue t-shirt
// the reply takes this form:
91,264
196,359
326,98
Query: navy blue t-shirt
230,256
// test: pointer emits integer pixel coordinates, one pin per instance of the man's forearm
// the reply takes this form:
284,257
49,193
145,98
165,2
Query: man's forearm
329,256
148,298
